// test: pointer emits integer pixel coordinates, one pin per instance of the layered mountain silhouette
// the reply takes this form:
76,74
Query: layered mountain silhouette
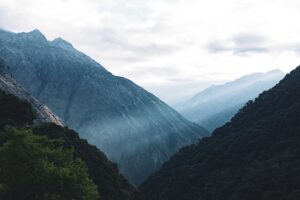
216,105
255,156
132,126
19,109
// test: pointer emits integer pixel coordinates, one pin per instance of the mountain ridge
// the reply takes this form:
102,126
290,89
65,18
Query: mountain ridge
19,109
254,156
127,122
216,105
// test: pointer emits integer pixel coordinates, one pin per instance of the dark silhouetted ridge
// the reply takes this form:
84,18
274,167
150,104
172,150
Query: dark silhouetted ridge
255,156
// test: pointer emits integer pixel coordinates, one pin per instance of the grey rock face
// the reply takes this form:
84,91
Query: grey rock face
132,126
216,105
8,85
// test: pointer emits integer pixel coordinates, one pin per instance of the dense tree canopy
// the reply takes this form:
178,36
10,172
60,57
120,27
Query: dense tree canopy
105,174
36,167
254,157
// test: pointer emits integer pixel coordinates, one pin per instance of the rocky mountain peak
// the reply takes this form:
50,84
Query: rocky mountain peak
36,34
62,43
34,37
133,127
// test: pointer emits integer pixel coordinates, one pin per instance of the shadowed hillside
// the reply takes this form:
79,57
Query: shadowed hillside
20,113
133,127
255,156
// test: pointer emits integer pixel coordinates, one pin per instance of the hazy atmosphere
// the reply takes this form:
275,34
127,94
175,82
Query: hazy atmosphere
172,48
149,100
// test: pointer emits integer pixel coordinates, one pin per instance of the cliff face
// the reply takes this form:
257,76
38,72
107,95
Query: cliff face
132,126
9,85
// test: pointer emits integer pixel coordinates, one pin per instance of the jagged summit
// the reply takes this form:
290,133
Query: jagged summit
34,35
62,43
132,126
35,32
12,42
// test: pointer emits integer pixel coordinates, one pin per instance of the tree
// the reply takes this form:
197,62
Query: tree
36,167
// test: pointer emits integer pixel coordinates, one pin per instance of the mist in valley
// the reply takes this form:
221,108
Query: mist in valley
149,100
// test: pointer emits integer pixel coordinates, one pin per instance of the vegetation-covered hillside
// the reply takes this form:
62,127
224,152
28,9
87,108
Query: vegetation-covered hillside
255,156
36,167
52,162
111,184
133,127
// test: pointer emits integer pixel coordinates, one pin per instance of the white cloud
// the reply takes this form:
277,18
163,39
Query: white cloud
168,44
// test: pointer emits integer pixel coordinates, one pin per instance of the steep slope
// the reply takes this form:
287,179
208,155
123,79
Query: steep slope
9,85
216,105
132,126
255,156
105,174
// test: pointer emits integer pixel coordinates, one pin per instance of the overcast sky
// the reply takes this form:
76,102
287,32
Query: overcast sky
170,47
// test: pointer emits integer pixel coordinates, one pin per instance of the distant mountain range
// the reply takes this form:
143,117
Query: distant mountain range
216,105
132,126
255,156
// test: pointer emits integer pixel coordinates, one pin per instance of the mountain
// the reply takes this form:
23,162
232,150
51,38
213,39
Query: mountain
105,174
132,126
21,111
255,156
217,104
9,85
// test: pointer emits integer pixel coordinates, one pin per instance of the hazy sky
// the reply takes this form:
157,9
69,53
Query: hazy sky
170,47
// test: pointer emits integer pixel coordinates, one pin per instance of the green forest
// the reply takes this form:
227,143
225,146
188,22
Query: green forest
50,162
255,156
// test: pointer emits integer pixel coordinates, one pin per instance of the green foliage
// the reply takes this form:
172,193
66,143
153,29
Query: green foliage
255,156
36,167
14,111
105,174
